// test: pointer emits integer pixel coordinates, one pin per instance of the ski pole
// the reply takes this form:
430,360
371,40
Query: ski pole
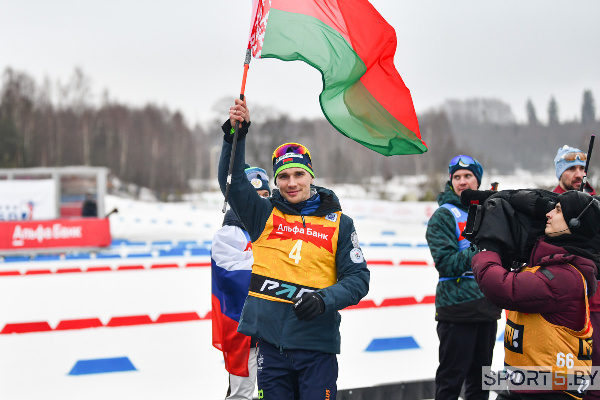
587,163
235,130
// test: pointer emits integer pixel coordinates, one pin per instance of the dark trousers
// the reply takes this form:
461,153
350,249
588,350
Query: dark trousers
464,349
296,374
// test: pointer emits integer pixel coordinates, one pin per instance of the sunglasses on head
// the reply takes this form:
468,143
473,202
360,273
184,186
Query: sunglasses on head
574,156
462,160
287,148
256,172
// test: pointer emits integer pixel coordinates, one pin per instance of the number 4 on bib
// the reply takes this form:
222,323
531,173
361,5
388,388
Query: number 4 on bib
295,253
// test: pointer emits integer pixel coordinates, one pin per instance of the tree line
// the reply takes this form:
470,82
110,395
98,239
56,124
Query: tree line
57,125
149,146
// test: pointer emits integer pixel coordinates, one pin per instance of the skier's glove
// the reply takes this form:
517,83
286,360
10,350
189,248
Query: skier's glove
228,131
309,306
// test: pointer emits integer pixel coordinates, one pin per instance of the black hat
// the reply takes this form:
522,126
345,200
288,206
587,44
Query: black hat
581,212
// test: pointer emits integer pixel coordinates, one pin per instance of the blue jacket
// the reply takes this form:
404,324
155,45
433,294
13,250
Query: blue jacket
276,322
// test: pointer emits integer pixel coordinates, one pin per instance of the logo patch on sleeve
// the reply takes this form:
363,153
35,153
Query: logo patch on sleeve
356,255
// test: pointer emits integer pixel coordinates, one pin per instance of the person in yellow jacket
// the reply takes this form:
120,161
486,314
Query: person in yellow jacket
308,265
548,326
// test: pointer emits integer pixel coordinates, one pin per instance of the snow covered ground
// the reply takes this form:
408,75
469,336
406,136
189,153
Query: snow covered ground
65,324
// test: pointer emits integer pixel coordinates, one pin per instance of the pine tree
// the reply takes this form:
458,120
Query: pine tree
588,108
531,115
553,112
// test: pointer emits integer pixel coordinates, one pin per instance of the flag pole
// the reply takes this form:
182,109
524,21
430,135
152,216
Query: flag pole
235,129
587,163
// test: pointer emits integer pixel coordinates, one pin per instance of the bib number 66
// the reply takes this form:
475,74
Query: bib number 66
565,360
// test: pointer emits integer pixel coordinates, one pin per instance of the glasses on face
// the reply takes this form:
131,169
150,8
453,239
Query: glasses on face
574,156
295,148
463,161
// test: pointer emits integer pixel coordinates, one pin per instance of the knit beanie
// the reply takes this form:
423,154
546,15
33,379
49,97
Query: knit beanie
561,165
573,203
258,178
466,162
291,158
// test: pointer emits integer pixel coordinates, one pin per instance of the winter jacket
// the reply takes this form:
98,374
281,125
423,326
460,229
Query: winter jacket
275,322
588,189
559,300
457,299
555,291
89,209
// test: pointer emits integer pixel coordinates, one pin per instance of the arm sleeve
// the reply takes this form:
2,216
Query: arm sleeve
352,273
443,245
252,209
522,291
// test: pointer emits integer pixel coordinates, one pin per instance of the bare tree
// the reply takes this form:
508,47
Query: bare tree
80,92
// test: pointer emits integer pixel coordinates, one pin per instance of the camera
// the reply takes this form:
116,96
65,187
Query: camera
513,219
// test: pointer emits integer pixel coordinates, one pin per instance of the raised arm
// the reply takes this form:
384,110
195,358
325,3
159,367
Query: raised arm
242,197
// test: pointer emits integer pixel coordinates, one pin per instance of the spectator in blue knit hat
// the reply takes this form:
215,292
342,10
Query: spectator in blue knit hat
465,173
259,179
569,165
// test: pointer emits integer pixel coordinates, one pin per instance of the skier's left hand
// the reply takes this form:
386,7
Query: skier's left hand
309,306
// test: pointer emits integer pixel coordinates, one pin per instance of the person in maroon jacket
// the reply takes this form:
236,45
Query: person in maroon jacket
548,324
569,165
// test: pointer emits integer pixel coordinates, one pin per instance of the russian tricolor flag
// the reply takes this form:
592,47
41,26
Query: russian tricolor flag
231,265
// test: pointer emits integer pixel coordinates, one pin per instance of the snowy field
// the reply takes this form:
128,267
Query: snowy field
134,322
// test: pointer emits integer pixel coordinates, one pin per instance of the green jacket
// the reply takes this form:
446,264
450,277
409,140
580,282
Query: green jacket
456,300
276,322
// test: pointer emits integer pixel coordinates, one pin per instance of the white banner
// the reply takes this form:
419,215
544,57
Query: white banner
31,199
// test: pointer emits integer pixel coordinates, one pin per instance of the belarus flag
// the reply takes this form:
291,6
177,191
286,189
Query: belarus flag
231,265
353,47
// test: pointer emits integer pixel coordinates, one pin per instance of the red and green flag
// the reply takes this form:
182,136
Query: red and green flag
353,47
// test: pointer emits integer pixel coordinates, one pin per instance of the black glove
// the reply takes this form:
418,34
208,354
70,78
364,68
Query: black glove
532,203
490,245
228,131
309,306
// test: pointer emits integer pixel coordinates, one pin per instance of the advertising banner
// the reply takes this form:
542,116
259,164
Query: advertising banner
28,199
54,234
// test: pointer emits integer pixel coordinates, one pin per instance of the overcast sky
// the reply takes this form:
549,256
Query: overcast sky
188,54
